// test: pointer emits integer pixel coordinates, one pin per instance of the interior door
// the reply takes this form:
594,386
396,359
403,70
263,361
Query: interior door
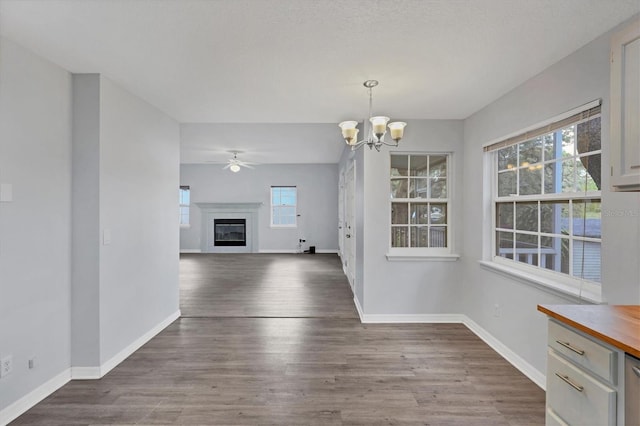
341,197
350,224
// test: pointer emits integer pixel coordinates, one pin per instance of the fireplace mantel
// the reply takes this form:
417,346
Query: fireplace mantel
213,211
229,206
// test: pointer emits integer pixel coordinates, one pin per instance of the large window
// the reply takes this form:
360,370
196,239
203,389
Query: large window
283,206
546,197
185,202
419,200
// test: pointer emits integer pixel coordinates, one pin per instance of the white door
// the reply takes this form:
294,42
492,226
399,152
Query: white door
349,227
341,196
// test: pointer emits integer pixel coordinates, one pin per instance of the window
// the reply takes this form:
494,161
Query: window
547,198
184,205
419,200
283,206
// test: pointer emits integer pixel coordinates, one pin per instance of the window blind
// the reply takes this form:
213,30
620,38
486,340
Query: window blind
548,128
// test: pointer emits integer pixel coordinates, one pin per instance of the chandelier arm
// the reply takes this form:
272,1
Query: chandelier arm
394,143
358,144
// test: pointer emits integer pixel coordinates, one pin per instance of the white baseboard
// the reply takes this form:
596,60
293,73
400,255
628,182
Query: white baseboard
190,251
85,373
411,318
285,251
19,407
514,359
137,344
358,308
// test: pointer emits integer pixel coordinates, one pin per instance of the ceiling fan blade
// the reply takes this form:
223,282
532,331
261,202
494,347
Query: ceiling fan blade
227,166
246,165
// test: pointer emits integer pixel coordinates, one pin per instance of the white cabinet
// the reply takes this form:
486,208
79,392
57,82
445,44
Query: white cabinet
625,108
582,379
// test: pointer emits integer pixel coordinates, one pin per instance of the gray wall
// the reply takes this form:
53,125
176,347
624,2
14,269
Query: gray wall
139,175
85,267
35,228
115,165
317,201
407,287
581,77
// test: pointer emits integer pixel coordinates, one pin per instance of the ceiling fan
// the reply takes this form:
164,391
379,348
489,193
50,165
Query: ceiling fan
234,164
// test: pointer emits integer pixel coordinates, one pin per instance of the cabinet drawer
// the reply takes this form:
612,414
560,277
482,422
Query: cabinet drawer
576,397
552,419
594,357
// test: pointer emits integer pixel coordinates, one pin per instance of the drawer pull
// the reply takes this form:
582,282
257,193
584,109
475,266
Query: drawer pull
568,381
635,370
568,346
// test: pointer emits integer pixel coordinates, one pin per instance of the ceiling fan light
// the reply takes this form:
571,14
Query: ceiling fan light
234,168
397,130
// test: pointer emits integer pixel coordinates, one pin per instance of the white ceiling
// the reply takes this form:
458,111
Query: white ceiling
304,61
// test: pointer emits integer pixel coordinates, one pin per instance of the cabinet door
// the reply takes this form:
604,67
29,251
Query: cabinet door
625,108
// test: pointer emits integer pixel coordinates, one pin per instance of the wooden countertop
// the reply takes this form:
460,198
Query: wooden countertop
618,325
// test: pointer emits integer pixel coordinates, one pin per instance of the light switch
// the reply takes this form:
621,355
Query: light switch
6,192
106,237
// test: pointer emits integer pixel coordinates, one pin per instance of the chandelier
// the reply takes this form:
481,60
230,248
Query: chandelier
375,138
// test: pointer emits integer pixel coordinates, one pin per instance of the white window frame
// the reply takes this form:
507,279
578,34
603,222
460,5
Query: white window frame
186,224
424,253
558,282
295,207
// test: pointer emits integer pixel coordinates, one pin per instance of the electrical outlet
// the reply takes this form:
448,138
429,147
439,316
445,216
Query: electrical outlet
6,365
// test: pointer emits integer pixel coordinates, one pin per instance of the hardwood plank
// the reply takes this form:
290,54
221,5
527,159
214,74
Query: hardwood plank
318,370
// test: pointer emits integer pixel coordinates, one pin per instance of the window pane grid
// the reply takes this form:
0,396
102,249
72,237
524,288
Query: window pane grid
566,250
283,206
419,200
564,161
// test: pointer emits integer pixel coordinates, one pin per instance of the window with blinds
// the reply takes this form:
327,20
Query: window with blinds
546,197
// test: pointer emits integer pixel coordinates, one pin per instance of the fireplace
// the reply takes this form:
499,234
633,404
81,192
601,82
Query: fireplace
230,232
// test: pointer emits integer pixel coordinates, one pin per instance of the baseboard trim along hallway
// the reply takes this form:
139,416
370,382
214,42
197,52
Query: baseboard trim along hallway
21,406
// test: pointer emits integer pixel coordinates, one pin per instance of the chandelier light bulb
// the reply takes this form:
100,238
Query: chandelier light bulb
349,131
397,130
379,126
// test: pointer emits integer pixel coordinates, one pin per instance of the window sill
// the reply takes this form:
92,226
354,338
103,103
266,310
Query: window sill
185,226
283,226
548,284
422,257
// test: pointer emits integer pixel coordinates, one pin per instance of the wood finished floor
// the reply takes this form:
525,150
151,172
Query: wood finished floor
263,347
264,285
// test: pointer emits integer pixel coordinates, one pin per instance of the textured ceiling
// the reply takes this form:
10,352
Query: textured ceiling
304,61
